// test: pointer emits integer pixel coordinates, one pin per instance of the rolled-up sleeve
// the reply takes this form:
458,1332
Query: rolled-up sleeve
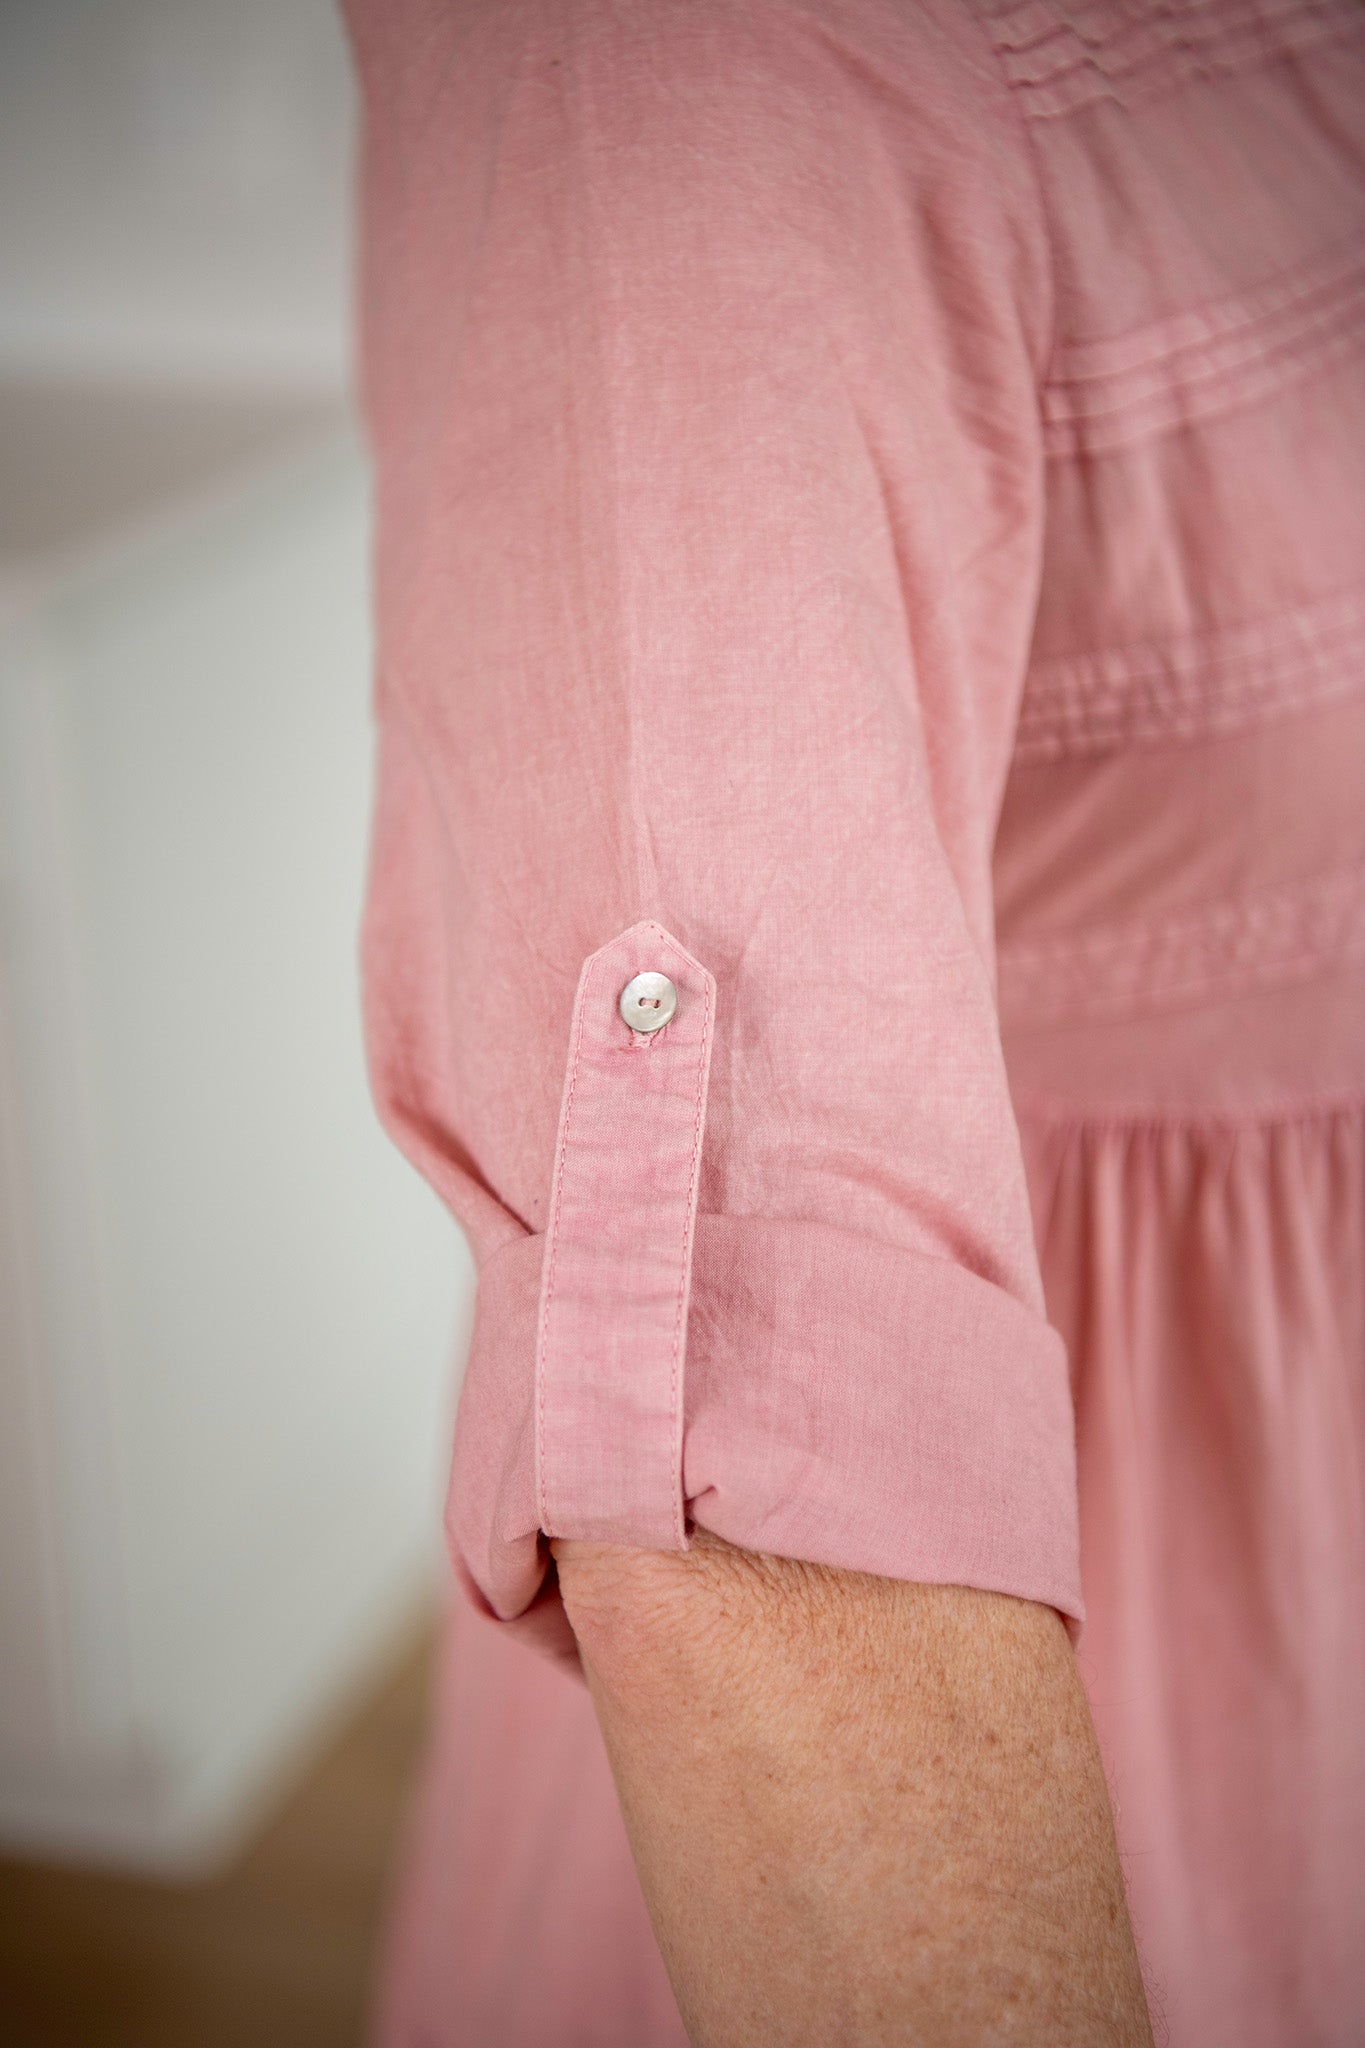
701,347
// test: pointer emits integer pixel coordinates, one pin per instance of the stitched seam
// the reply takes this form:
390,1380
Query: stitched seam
579,1023
1201,684
1100,973
1151,82
1189,926
1243,679
674,1403
1005,11
1189,692
1182,1116
1143,348
1208,392
1236,978
1065,440
1158,34
1100,87
1171,41
1317,628
1081,728
1306,326
1128,426
1043,371
1147,726
1167,15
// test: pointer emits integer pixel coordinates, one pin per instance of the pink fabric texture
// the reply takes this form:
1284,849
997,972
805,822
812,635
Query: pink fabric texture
870,504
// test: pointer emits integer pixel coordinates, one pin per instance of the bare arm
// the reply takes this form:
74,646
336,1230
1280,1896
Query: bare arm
863,1812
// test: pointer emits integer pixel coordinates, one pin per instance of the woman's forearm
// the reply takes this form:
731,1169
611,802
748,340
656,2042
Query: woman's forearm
863,1812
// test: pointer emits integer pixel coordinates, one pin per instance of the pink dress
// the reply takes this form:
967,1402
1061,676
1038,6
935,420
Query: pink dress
871,538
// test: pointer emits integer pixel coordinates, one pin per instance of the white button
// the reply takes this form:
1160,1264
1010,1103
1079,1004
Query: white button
648,1002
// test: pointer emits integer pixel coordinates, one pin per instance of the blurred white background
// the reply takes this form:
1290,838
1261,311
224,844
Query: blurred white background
228,1310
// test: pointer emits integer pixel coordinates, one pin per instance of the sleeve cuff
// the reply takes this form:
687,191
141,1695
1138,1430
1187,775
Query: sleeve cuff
845,1401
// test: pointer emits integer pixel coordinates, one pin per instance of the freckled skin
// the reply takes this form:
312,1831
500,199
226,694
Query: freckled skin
863,1812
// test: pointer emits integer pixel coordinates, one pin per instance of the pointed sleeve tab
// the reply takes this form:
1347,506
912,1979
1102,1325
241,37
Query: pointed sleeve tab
612,1320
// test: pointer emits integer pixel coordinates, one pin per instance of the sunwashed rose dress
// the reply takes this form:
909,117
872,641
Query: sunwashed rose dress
870,535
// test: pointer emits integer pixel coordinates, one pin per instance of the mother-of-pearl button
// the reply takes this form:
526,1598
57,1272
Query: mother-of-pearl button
648,1002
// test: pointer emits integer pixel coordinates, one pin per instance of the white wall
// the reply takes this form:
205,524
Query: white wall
175,251
228,1309
177,192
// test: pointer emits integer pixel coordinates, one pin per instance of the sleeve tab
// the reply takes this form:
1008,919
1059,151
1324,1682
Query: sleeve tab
612,1319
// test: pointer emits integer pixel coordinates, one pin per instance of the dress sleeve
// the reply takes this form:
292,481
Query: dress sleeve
701,346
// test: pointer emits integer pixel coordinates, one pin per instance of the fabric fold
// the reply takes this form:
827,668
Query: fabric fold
846,1401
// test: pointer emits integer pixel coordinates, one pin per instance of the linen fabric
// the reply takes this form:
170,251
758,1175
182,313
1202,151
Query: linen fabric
870,504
